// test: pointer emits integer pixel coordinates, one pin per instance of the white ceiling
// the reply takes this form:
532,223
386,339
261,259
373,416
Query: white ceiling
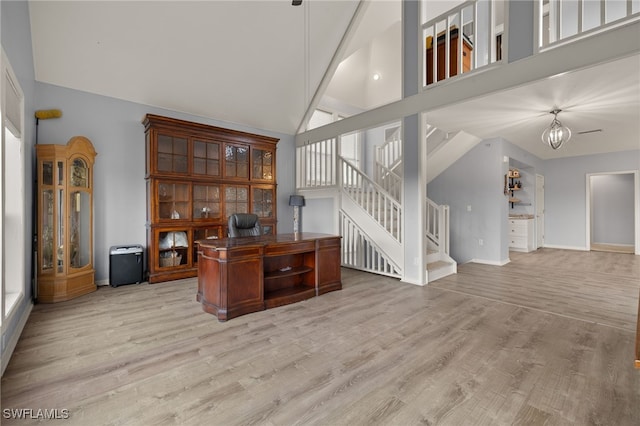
235,61
244,62
603,97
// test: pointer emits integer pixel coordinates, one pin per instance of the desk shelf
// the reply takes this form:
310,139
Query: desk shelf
244,275
287,295
298,270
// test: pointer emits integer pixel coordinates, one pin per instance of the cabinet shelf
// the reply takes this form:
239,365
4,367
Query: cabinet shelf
298,270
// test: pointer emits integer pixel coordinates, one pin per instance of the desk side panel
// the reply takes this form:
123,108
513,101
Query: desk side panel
231,281
328,271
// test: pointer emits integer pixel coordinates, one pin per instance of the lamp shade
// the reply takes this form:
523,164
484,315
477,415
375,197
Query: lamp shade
296,200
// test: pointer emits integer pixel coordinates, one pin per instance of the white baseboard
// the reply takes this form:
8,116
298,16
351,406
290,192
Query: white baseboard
554,246
11,345
413,282
491,262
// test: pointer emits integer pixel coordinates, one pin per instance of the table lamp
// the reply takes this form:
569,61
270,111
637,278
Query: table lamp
296,201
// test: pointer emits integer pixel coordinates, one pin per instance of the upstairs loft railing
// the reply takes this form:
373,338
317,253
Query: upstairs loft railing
320,167
316,164
561,21
465,38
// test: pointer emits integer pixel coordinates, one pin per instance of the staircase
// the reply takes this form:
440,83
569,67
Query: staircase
388,174
370,214
439,263
370,224
444,149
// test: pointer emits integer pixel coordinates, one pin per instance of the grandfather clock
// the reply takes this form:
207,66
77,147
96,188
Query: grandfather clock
65,220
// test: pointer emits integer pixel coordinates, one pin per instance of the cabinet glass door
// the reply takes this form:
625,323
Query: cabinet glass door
262,164
60,219
236,161
173,248
206,201
262,202
206,158
236,199
172,154
173,201
47,225
209,233
80,229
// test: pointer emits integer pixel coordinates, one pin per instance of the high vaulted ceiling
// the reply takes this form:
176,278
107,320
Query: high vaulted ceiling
235,61
259,63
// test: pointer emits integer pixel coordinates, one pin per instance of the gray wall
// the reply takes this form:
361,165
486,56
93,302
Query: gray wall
520,29
318,215
612,214
565,194
114,127
476,180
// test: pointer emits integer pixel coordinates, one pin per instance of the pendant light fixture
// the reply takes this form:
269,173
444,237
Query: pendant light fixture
556,134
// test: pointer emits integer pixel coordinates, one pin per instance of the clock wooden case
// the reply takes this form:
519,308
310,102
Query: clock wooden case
197,176
65,220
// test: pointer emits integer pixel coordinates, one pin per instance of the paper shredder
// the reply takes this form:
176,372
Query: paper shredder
125,265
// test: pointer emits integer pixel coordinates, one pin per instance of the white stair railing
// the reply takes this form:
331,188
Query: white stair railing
361,252
389,180
390,153
388,158
438,226
372,198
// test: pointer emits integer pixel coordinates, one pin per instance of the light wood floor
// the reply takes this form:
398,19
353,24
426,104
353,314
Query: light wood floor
547,339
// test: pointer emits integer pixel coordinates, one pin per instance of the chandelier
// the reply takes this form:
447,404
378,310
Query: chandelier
556,134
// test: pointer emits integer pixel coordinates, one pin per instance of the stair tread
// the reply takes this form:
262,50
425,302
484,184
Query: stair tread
432,266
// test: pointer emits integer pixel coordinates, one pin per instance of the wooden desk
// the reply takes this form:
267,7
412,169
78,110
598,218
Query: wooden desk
237,276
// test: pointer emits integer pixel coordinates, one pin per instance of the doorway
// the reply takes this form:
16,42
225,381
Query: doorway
613,212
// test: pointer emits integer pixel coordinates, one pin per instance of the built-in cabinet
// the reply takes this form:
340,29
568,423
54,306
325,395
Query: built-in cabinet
65,220
197,176
521,235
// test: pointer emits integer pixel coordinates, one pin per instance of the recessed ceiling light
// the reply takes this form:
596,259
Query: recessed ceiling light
376,76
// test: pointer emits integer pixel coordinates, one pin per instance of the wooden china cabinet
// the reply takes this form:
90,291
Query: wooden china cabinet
197,176
65,220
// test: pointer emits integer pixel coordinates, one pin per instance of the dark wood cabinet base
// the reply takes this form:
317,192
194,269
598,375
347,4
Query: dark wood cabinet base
237,276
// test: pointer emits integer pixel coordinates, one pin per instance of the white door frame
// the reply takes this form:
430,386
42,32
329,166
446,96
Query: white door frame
636,204
539,222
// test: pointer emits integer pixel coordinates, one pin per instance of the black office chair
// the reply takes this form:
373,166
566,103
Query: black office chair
244,225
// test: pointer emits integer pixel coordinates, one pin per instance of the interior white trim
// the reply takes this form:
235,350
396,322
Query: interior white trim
636,204
491,262
11,344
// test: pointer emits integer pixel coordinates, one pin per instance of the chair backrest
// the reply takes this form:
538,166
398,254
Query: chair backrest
244,225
